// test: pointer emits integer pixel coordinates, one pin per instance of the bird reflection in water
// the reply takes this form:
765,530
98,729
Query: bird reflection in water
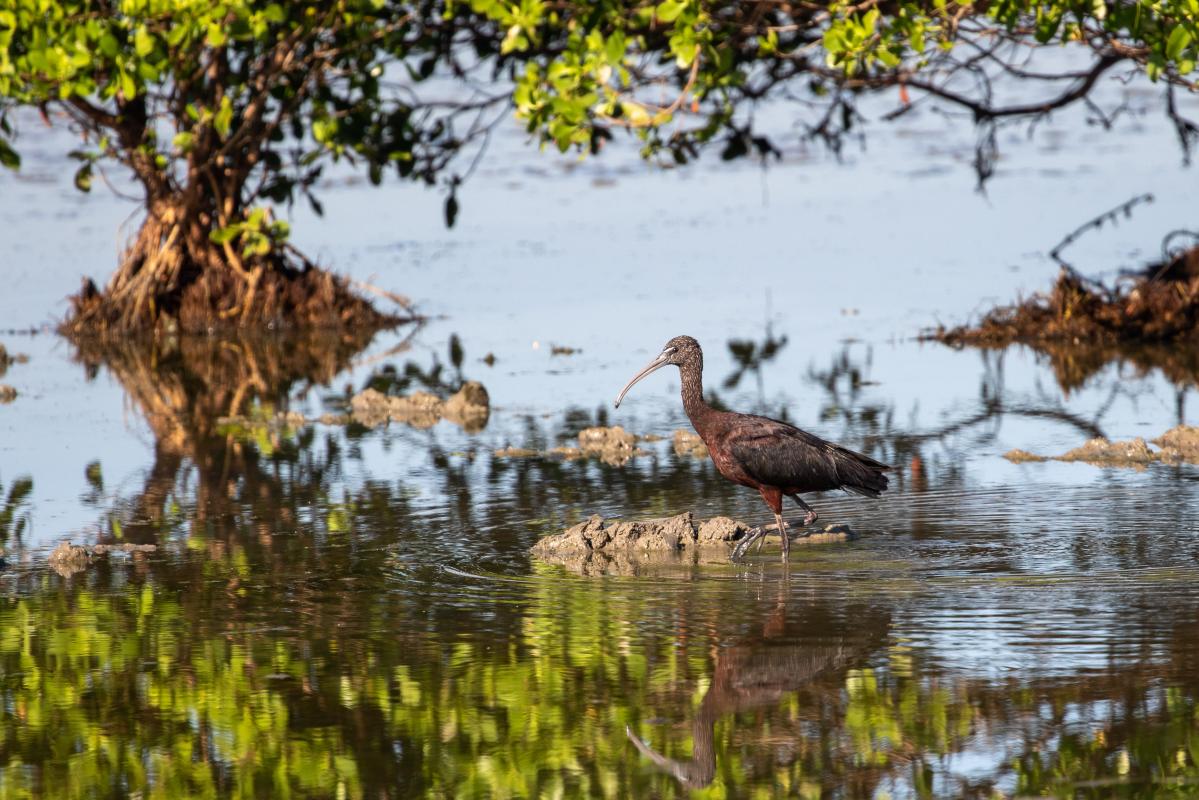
759,671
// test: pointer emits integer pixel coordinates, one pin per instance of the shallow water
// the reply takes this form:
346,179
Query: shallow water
340,612
337,611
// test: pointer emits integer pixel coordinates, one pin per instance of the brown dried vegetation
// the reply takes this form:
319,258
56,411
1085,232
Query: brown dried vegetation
1159,305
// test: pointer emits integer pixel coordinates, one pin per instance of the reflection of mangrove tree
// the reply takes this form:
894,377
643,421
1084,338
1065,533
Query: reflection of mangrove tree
183,386
229,683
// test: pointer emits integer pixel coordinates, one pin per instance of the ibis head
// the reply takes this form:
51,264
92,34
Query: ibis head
681,351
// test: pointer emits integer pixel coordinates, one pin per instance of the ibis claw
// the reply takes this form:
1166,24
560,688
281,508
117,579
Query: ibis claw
752,535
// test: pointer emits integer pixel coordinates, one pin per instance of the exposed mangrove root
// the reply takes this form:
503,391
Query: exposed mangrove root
173,278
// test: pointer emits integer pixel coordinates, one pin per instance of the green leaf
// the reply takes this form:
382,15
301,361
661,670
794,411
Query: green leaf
223,119
670,10
226,234
128,85
143,42
216,36
183,141
1178,41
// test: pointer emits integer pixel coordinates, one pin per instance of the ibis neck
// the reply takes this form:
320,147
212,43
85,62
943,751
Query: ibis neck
693,394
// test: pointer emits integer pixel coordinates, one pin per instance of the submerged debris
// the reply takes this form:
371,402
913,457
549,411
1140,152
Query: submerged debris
687,443
68,559
1179,444
7,393
668,535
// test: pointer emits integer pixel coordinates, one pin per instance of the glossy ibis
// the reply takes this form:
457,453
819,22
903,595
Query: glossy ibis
773,457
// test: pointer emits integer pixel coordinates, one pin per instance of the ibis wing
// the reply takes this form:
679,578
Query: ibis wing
778,454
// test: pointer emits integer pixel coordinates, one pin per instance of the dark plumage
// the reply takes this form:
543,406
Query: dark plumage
765,454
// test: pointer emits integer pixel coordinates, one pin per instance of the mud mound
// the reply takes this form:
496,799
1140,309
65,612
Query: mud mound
666,535
1102,451
1177,445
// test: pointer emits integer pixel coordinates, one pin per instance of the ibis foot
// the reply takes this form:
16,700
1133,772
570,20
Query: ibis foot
758,534
752,535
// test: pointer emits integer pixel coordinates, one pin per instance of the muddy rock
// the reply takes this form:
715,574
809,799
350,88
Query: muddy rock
1107,453
419,409
625,547
7,393
333,419
1179,444
370,407
589,535
831,533
687,443
469,407
672,533
67,559
566,453
720,529
1021,456
612,445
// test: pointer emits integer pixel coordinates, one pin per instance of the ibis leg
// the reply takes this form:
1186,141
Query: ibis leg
778,518
810,514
